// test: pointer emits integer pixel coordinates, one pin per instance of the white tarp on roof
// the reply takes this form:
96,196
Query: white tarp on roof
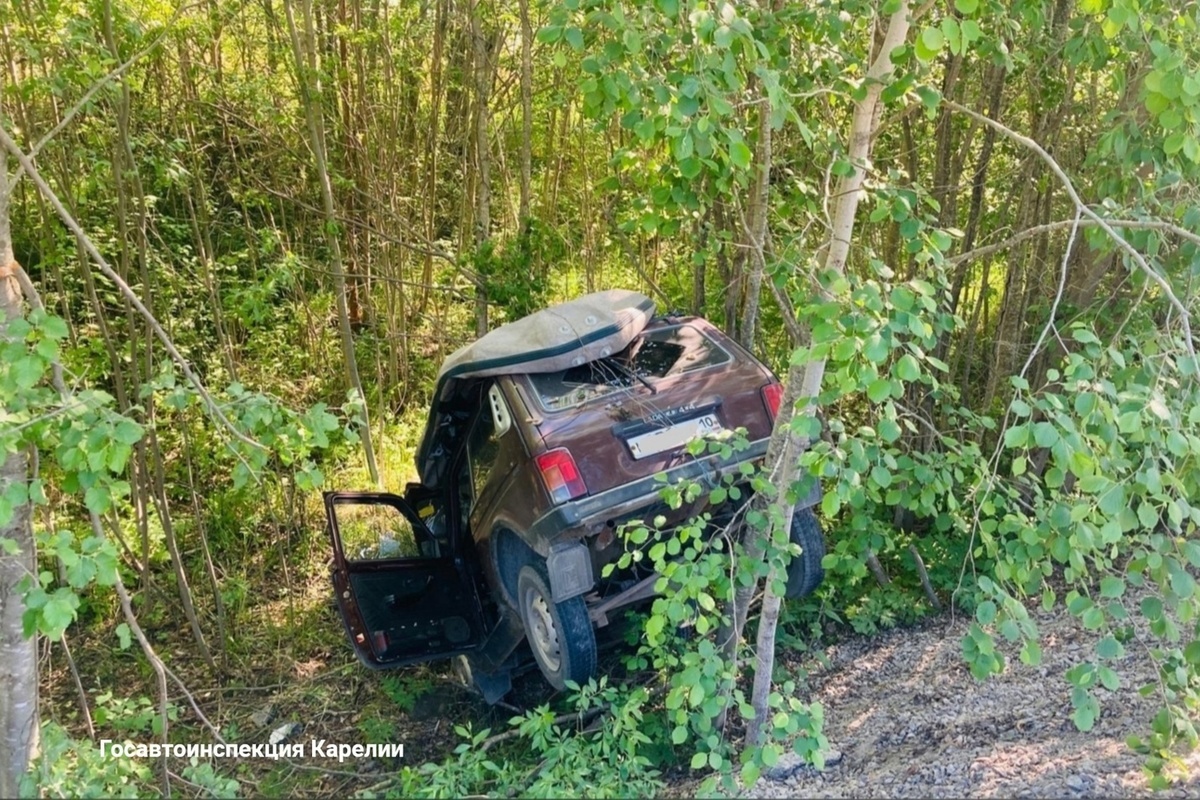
555,338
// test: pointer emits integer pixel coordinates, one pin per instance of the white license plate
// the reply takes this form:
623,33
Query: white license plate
660,441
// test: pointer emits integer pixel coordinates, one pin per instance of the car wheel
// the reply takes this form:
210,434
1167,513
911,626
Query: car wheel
560,634
805,572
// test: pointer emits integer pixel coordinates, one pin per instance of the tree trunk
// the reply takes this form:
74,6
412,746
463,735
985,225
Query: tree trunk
310,95
526,111
18,654
754,226
431,150
483,165
804,382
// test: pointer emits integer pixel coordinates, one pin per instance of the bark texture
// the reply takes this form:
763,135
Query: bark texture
18,654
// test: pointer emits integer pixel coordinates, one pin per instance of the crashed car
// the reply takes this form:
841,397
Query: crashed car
543,438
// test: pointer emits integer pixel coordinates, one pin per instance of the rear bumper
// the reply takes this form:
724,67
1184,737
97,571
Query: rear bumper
589,515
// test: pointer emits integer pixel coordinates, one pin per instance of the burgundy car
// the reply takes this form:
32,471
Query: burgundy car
544,437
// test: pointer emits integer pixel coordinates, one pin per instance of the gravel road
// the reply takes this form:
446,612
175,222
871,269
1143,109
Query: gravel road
909,720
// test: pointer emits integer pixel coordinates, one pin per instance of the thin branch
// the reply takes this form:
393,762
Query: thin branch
789,315
102,264
1062,284
1050,227
100,84
1105,225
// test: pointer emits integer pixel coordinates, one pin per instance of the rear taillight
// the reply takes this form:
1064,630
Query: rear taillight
772,395
560,475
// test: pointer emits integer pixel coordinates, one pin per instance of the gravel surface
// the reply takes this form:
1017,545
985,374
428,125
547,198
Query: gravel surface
905,718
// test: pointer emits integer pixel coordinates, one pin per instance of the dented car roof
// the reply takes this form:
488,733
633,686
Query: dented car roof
566,335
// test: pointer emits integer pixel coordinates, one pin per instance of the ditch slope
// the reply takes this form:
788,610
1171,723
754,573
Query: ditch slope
906,719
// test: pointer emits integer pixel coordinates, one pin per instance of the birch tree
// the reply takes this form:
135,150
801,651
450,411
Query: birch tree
18,653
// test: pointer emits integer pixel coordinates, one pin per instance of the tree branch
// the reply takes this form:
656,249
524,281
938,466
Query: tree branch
1105,225
1066,224
102,264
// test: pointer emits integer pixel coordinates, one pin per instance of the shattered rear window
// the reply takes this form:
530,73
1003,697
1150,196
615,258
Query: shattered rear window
656,354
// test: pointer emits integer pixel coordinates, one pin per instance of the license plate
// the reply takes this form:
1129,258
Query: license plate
664,439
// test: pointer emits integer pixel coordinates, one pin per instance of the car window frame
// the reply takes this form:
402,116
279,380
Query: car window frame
707,334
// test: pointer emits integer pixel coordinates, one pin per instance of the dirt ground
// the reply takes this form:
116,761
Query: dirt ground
909,720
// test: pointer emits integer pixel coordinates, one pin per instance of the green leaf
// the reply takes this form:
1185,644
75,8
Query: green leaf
1112,587
58,613
930,98
123,636
54,327
1152,608
986,612
1109,679
98,498
27,371
966,6
907,368
1182,583
933,39
881,476
876,350
574,37
889,429
953,34
740,155
879,390
1109,647
1016,436
1084,717
699,760
128,432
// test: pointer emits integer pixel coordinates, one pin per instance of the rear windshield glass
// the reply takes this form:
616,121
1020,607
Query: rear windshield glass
654,355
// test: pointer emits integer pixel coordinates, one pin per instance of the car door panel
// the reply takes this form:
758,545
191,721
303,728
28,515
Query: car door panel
403,594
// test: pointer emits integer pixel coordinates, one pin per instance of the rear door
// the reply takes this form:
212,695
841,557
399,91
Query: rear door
404,593
629,416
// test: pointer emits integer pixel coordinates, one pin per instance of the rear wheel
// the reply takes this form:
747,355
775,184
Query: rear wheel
805,572
560,634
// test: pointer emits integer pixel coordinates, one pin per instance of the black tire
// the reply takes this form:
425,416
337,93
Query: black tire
560,634
805,572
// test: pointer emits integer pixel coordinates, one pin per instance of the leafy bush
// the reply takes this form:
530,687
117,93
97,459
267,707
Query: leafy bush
69,767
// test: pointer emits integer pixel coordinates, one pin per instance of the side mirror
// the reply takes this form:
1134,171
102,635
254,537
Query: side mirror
501,420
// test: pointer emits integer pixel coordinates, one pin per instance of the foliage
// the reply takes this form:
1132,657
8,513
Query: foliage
68,767
554,759
207,778
405,690
700,564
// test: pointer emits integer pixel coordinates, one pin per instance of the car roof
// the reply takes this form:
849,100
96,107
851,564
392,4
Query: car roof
568,334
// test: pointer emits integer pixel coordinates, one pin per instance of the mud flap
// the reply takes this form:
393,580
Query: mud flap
492,685
810,494
570,569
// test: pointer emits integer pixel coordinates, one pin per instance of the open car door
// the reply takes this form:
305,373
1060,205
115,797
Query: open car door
404,594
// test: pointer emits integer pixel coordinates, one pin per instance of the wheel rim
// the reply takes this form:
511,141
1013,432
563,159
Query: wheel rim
540,629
